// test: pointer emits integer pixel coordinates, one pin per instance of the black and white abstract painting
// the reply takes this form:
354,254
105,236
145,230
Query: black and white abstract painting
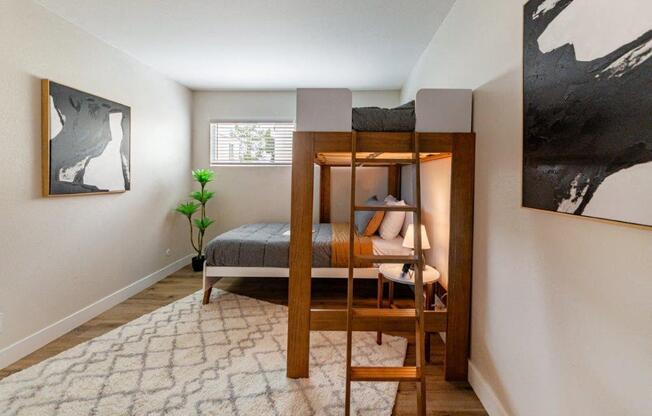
89,142
588,108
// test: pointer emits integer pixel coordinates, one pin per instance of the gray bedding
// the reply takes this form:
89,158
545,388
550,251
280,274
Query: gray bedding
265,245
401,118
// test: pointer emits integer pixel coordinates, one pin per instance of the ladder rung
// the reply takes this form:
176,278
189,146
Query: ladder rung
383,313
389,259
385,374
378,161
409,208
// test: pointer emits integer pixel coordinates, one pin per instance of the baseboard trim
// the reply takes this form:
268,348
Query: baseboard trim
31,343
485,393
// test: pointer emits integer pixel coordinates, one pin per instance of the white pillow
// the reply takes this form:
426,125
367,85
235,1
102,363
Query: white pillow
392,222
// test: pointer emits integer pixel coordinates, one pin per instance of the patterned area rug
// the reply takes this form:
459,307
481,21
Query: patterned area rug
225,358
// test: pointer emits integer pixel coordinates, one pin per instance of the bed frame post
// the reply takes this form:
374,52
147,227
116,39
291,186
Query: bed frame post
207,284
300,255
448,111
324,194
318,110
460,259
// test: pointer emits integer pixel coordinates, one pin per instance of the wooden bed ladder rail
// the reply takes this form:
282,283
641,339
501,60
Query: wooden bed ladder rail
378,374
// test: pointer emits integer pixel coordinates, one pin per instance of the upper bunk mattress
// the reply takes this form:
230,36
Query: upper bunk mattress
268,245
401,118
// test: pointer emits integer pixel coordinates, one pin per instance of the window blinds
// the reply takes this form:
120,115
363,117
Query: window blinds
256,143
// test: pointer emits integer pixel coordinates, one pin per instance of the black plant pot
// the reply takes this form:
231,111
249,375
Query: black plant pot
198,263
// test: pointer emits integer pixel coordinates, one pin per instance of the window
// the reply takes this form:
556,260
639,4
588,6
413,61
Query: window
251,143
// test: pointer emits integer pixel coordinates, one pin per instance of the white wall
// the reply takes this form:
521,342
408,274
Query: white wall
370,181
246,194
435,209
562,317
58,255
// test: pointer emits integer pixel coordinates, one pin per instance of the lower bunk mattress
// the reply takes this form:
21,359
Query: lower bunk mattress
268,245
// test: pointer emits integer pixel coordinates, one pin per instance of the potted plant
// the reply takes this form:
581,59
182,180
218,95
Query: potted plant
188,209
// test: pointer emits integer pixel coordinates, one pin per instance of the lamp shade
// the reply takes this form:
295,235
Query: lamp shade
408,241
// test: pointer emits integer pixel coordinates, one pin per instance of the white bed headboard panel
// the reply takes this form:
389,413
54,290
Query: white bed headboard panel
324,109
444,110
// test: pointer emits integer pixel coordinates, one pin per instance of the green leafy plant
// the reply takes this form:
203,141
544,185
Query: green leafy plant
190,208
203,176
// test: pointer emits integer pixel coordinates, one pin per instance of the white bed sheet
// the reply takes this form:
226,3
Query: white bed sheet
393,247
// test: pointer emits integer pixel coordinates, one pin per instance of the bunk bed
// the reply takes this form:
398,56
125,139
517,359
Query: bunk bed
324,136
262,249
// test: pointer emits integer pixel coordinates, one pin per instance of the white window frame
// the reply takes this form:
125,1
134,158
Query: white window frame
244,121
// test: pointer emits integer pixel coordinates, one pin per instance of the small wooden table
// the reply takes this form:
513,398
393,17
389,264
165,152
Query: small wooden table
393,273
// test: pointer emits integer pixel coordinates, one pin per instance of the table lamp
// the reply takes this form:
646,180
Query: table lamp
408,242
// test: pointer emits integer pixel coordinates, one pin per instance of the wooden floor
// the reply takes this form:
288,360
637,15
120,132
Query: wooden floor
444,398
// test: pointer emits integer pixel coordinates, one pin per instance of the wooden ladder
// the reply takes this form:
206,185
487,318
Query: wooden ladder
378,374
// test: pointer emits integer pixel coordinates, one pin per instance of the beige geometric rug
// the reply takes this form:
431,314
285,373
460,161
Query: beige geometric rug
225,358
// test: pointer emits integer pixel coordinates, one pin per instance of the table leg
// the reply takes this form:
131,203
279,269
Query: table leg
381,285
430,300
391,293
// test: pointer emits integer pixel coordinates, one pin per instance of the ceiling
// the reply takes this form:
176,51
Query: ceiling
265,44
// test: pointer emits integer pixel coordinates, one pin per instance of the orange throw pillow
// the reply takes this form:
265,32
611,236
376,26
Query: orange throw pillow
374,224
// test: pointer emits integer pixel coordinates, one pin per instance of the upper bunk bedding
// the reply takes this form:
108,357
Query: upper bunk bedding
268,245
401,118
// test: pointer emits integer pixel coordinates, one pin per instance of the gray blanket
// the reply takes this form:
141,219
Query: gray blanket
265,245
401,118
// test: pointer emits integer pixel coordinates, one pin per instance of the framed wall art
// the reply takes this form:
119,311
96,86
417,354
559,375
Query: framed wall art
86,142
587,146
